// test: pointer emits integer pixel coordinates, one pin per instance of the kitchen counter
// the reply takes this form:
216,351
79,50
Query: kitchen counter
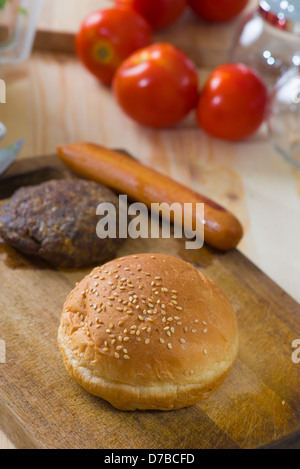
52,100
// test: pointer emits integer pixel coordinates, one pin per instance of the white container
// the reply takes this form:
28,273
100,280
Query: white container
18,21
284,117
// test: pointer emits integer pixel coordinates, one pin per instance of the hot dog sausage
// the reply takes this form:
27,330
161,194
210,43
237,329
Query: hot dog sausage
141,183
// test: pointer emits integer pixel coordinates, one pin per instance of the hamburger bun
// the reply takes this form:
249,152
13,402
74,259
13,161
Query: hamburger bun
148,332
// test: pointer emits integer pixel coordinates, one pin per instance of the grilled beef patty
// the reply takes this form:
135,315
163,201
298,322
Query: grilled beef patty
57,220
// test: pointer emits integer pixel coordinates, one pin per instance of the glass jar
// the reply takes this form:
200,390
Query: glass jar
268,39
283,118
18,19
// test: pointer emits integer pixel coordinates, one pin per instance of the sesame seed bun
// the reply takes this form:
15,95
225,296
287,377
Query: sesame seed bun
148,332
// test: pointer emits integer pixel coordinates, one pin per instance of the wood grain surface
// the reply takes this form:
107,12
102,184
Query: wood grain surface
42,407
207,44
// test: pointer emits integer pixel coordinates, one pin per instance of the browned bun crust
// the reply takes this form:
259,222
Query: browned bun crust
148,332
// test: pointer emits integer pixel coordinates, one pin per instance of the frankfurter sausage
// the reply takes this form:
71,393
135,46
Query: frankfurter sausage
144,184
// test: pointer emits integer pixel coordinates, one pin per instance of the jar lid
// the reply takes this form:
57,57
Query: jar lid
282,14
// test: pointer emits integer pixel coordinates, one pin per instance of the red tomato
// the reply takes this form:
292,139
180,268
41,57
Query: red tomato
159,13
107,37
218,10
233,103
157,86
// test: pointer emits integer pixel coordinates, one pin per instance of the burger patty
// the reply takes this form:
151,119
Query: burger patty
57,220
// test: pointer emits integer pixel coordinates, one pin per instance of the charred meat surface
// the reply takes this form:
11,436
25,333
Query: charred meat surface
57,220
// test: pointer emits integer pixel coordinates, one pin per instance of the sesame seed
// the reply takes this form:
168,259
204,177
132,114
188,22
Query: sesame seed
126,357
204,331
161,341
182,341
117,355
119,347
125,339
205,352
105,349
147,341
170,346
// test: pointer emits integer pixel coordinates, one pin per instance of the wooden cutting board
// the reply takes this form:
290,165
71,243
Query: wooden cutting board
42,407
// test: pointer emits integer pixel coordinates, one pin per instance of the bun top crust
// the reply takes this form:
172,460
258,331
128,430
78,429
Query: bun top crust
149,319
